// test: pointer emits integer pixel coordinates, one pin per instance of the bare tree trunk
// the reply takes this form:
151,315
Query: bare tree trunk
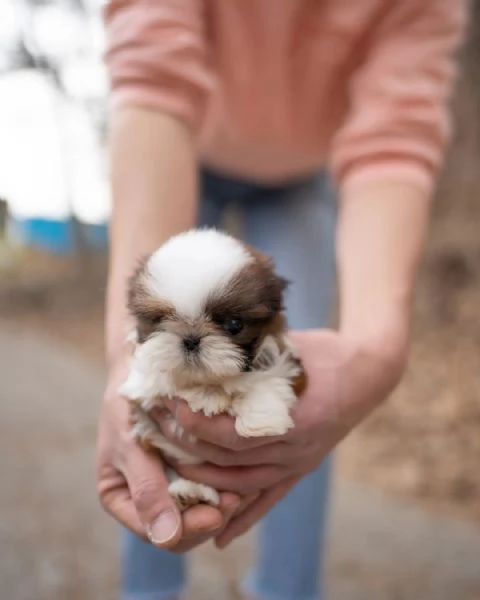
459,185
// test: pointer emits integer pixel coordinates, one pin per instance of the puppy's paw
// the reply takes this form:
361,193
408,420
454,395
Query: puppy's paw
263,424
188,493
265,411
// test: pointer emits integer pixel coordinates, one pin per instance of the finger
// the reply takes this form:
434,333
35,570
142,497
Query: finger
235,509
185,545
242,480
230,503
274,453
202,522
218,430
205,451
243,504
204,519
116,500
253,513
148,487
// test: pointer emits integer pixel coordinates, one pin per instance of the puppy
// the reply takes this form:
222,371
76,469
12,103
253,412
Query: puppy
210,328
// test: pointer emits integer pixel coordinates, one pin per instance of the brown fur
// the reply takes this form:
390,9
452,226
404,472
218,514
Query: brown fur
278,324
254,295
300,383
147,310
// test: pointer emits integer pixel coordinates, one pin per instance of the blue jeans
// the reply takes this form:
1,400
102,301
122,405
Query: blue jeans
295,225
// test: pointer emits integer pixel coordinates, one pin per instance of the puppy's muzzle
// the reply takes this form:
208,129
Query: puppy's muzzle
191,343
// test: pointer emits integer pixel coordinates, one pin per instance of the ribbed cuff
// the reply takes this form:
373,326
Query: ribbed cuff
399,172
179,107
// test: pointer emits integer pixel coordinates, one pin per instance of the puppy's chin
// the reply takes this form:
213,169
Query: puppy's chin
215,359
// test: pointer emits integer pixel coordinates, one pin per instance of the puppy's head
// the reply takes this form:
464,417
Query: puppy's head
203,303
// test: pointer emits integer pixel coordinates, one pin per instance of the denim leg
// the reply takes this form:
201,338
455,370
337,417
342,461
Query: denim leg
148,573
296,227
291,543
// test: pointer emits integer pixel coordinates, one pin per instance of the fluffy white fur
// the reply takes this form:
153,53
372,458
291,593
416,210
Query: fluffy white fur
188,492
184,272
190,265
159,364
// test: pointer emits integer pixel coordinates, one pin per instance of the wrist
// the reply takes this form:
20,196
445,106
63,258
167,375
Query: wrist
386,339
381,235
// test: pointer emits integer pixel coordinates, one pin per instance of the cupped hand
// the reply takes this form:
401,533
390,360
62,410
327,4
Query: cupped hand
133,488
347,379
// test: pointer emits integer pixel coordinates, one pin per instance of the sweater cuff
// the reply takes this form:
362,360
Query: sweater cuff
392,171
179,106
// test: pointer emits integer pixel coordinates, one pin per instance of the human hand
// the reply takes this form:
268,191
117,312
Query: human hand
347,379
133,487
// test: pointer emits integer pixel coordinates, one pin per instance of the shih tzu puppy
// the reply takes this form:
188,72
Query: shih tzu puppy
210,329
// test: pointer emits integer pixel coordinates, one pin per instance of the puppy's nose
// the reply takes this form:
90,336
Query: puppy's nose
191,342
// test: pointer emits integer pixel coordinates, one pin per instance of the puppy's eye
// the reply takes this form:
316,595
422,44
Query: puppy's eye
233,325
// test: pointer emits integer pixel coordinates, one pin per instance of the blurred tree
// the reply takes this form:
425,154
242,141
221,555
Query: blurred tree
457,207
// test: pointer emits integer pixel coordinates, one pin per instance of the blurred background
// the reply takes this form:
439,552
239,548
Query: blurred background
406,510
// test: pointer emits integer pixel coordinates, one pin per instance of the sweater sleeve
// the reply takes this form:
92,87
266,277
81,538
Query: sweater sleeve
398,123
157,56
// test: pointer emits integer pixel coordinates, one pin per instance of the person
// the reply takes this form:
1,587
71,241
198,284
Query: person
323,125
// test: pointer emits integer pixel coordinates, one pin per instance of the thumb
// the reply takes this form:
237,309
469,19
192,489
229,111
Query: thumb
148,486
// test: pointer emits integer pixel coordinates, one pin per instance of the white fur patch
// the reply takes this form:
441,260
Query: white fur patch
188,493
265,409
192,265
158,366
263,398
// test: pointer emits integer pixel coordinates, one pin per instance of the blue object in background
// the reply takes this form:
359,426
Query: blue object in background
56,236
97,235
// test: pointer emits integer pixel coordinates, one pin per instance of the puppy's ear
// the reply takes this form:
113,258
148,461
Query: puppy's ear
282,283
137,292
274,285
275,289
140,303
148,309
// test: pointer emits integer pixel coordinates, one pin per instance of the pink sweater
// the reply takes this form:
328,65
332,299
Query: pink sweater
275,89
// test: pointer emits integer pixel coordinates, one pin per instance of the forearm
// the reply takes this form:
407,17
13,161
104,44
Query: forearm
381,236
154,188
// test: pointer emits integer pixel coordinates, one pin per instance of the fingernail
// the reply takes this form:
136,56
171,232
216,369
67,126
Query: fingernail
164,528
